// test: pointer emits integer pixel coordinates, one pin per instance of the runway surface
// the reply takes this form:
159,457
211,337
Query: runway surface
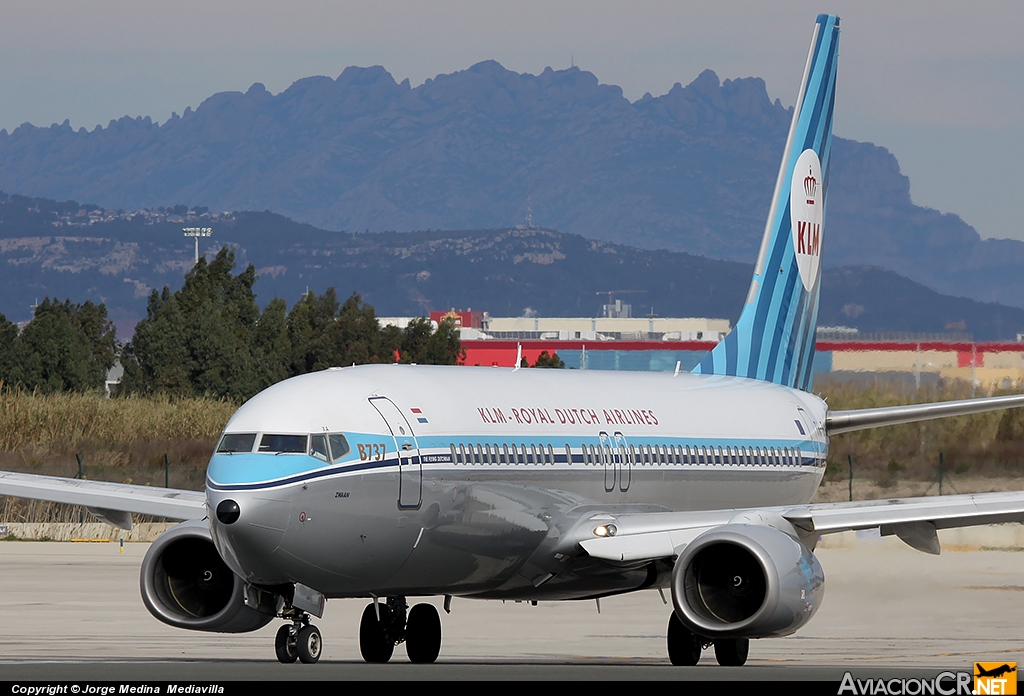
73,611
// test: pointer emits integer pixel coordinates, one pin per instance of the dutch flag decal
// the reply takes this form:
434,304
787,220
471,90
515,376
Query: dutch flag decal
419,415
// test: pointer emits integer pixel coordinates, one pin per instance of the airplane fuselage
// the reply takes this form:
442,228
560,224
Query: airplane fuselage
481,481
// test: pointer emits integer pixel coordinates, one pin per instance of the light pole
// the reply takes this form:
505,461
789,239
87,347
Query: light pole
197,232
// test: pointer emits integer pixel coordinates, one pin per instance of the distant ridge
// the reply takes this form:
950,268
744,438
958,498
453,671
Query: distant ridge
505,271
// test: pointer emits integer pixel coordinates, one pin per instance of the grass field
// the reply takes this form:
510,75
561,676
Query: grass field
127,440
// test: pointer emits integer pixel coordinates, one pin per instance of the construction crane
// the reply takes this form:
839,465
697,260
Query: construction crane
614,308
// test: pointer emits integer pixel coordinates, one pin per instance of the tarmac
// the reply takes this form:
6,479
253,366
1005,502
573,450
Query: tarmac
73,611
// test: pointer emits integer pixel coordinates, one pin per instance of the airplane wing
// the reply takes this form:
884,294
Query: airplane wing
847,421
111,502
652,536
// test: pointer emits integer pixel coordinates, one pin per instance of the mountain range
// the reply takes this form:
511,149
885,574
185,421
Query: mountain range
689,171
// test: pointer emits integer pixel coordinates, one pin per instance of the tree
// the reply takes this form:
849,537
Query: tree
211,338
546,360
422,345
204,338
66,347
8,334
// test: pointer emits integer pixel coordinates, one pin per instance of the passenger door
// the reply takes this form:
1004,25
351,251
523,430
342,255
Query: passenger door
410,470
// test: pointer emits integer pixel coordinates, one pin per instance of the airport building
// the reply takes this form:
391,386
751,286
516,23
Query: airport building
664,344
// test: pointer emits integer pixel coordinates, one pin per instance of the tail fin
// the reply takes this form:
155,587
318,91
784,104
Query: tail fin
774,337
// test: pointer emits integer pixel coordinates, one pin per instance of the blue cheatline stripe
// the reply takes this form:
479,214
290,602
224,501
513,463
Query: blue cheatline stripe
245,472
784,331
794,348
774,337
783,311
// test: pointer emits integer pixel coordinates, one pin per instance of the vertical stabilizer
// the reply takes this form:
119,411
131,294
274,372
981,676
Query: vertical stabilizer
774,337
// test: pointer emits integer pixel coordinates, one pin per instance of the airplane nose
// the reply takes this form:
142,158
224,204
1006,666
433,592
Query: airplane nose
228,511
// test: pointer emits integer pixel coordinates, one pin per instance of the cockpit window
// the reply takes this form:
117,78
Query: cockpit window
291,444
318,447
237,442
339,447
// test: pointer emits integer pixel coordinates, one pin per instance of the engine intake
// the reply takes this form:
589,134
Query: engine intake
185,584
748,581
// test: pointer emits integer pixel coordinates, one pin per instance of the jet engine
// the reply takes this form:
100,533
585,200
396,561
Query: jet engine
186,584
748,581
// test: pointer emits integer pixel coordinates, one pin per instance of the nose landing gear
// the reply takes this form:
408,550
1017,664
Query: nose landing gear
298,640
383,626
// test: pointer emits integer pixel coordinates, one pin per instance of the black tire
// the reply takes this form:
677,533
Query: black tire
732,652
423,634
308,644
684,647
374,643
284,645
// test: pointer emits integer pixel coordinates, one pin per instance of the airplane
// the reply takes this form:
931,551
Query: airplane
391,482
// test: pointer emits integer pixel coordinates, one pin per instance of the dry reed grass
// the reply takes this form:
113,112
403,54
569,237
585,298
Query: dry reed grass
981,445
123,440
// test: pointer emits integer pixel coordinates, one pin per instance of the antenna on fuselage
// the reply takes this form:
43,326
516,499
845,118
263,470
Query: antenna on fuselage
519,357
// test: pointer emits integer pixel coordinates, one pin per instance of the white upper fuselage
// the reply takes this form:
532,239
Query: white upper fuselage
496,467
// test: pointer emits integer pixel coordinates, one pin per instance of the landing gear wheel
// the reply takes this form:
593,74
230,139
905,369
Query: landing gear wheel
684,647
732,652
374,643
423,634
284,644
309,644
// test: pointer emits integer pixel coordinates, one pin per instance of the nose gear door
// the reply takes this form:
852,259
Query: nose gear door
410,476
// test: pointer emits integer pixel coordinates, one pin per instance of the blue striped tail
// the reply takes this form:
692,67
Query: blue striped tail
774,337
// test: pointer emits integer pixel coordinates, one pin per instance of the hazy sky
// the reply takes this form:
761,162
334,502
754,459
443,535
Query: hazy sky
940,83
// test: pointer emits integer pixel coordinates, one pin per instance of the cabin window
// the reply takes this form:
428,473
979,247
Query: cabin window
455,454
487,454
568,454
237,442
283,444
551,455
318,447
503,453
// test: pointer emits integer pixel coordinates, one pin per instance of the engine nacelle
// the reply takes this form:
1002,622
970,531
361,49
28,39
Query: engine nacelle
749,581
186,584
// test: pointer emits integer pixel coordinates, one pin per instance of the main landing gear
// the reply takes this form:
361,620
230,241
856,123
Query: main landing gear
685,647
383,626
298,640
